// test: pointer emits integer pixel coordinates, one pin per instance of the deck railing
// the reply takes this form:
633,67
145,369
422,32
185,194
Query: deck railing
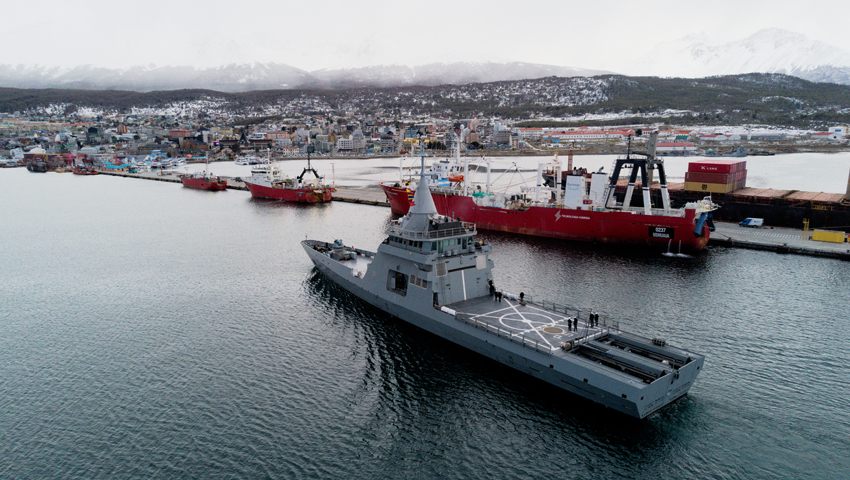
566,310
512,337
466,228
604,327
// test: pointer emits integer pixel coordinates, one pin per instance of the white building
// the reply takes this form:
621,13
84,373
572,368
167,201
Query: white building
827,136
344,144
679,147
843,130
529,133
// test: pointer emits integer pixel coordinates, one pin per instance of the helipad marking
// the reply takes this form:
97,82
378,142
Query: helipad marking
529,323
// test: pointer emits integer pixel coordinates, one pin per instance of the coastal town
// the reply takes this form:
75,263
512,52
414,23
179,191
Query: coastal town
121,139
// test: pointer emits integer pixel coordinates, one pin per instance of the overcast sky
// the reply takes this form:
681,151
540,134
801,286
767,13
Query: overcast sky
603,35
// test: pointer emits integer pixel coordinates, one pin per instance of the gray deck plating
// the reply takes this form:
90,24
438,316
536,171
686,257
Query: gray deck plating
525,322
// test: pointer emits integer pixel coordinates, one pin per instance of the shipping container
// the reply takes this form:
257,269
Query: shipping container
828,236
717,166
703,177
709,187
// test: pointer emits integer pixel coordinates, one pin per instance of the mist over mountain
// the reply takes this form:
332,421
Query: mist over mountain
457,73
226,78
243,77
770,50
767,51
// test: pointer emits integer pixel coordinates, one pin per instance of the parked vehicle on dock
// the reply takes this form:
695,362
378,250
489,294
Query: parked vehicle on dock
752,222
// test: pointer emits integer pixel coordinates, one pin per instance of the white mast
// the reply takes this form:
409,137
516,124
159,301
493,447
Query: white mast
539,181
463,132
556,181
488,180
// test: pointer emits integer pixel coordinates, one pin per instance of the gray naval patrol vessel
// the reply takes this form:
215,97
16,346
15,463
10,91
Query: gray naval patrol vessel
431,272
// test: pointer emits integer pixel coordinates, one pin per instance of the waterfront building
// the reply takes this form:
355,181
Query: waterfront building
530,133
677,147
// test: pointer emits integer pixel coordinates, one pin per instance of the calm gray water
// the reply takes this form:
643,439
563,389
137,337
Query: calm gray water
152,331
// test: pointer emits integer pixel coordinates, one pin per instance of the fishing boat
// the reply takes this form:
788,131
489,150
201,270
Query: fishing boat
203,180
430,271
439,174
268,181
581,207
84,169
37,165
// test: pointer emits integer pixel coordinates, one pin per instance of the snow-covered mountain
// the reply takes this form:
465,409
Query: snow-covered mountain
767,51
240,77
231,78
770,50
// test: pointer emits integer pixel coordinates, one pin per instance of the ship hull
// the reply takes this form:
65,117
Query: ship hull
573,374
398,198
203,184
37,167
666,232
299,195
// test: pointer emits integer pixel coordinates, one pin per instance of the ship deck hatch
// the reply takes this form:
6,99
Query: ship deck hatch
635,365
669,355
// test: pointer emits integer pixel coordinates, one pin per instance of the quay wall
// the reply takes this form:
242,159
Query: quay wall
377,198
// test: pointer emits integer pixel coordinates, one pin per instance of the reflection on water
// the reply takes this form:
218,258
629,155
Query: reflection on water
152,332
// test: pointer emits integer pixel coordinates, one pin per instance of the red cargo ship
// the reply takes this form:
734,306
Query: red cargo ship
578,211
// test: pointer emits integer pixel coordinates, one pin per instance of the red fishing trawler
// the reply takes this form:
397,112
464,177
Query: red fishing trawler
267,181
203,181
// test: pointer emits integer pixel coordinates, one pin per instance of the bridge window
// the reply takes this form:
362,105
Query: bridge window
419,282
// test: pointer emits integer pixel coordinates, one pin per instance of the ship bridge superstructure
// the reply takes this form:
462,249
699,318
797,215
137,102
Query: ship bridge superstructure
435,252
442,236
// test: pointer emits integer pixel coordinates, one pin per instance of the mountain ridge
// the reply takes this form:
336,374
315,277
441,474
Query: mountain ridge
770,50
242,77
772,99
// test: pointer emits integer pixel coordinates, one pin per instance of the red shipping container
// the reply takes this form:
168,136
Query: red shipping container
702,177
717,166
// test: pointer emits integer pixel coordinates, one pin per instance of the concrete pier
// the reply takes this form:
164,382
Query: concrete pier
778,239
369,196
